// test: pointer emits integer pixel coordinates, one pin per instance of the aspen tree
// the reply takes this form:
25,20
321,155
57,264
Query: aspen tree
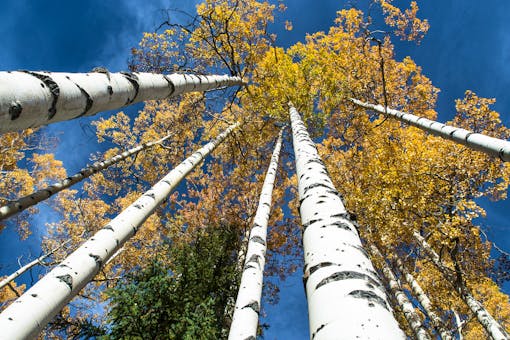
30,99
493,328
424,302
246,313
28,315
477,141
345,297
32,199
407,307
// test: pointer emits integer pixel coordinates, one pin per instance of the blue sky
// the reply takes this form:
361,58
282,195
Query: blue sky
468,47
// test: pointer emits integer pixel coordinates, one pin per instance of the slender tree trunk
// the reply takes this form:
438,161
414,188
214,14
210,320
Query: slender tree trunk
407,307
425,302
247,308
36,307
40,195
28,266
493,328
345,297
30,99
490,145
458,323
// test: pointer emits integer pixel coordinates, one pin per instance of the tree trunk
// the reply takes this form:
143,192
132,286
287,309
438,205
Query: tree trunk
247,308
30,99
28,266
425,302
36,307
40,195
490,145
407,307
345,296
493,328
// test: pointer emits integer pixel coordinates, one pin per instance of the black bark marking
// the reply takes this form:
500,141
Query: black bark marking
307,224
251,337
317,185
256,225
108,227
97,259
133,79
151,195
247,266
54,90
346,275
258,239
318,330
253,305
33,295
137,206
67,279
254,258
15,110
371,297
341,225
88,104
321,265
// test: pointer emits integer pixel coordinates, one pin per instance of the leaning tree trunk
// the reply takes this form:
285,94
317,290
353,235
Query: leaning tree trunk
407,307
247,308
36,307
345,296
493,328
477,141
424,301
29,200
30,99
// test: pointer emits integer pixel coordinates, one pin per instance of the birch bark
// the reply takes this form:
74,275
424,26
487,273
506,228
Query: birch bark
407,307
30,99
40,195
491,326
492,146
29,314
424,302
345,297
247,307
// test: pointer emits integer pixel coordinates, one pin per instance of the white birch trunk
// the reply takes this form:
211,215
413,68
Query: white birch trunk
29,314
247,307
407,307
40,195
425,302
345,297
30,99
459,324
28,266
491,326
477,141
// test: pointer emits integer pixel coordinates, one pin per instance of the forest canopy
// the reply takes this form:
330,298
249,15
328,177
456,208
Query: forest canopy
406,191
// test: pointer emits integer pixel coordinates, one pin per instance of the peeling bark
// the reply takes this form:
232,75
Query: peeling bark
29,314
407,307
30,99
38,196
493,146
245,320
424,302
491,326
345,296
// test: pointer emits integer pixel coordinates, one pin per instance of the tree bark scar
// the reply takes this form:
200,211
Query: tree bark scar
97,259
133,79
170,85
89,100
254,258
108,227
67,279
253,305
370,297
54,90
258,239
346,275
318,330
15,110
